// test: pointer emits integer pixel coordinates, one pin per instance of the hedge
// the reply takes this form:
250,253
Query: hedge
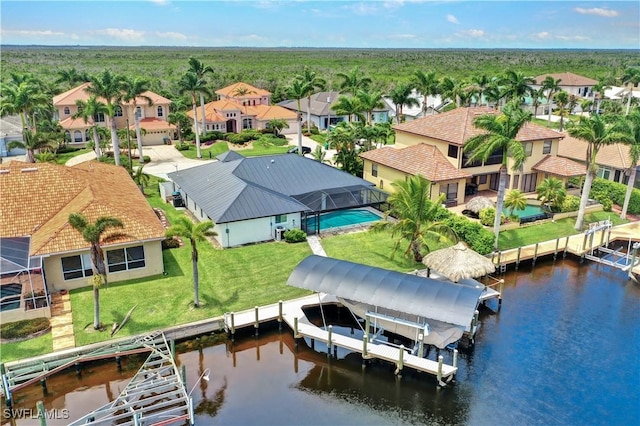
474,234
614,191
24,328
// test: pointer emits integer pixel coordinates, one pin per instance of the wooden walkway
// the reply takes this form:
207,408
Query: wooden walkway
292,314
62,335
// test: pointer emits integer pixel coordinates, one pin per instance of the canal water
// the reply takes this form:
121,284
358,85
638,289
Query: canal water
563,349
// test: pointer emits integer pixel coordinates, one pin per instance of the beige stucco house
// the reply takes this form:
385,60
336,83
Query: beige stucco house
153,117
573,84
36,202
433,147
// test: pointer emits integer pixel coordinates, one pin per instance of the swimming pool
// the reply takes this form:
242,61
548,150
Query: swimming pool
341,219
529,214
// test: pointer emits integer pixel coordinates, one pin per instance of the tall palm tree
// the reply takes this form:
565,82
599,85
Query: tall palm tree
630,78
348,106
596,133
311,82
481,83
411,205
552,193
94,234
22,98
535,100
427,84
135,90
551,86
298,90
200,70
194,86
502,131
32,142
109,87
185,228
353,81
400,95
368,101
562,102
598,93
517,85
632,128
89,111
452,89
71,76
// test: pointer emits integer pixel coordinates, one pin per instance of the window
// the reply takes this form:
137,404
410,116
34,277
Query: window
546,149
99,118
138,112
450,189
160,111
381,184
281,218
374,170
453,151
516,181
604,173
77,136
67,111
117,111
125,259
76,267
482,179
247,123
528,148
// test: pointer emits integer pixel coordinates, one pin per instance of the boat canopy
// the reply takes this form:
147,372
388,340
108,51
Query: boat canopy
437,299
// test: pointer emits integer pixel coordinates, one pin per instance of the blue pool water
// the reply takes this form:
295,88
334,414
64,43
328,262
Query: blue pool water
528,211
342,218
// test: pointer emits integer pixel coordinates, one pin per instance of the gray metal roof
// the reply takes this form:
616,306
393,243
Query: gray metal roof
230,156
436,299
248,188
320,104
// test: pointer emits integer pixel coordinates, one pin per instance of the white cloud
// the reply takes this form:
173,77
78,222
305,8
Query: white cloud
452,19
572,38
30,33
472,33
362,8
403,36
543,35
171,35
160,2
121,34
607,13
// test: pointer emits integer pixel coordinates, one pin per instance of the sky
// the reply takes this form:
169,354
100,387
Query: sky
301,23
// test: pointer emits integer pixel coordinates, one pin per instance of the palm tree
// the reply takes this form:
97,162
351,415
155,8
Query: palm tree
502,131
552,193
93,233
22,99
515,200
551,86
586,105
109,87
139,176
89,111
311,82
452,90
200,70
400,96
352,81
277,125
517,85
135,89
32,141
368,101
411,205
348,106
195,233
599,89
319,154
562,101
630,78
427,84
298,90
70,77
194,86
535,100
481,83
596,133
632,128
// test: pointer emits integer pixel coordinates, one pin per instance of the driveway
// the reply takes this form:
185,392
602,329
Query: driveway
307,141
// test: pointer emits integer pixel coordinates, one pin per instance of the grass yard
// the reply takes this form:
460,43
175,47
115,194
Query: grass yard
63,158
32,347
208,151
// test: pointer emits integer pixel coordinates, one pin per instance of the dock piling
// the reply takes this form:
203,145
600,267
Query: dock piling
421,345
500,289
256,324
330,329
400,360
118,361
440,361
535,255
43,383
183,373
518,258
78,369
555,252
365,339
279,315
366,325
41,413
566,246
233,326
173,348
455,358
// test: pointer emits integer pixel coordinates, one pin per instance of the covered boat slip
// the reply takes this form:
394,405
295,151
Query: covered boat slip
436,310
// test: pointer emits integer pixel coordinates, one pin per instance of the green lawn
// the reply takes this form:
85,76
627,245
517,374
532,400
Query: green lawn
32,347
551,230
63,158
208,151
259,147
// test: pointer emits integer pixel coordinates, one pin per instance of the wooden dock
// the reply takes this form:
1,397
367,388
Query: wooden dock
291,313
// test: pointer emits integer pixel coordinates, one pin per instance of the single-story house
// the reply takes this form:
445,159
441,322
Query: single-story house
252,199
41,253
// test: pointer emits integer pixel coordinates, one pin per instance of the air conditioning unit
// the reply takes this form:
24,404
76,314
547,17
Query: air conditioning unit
280,233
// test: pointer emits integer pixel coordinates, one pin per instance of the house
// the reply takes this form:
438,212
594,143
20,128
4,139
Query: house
321,113
613,160
410,113
250,199
153,118
432,146
41,253
242,106
573,84
10,130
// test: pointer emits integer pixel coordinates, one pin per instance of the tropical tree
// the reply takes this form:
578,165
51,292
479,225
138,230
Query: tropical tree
586,105
632,128
22,98
400,95
596,132
194,86
110,88
185,228
94,234
517,86
89,111
630,78
427,84
453,90
277,125
551,86
71,76
552,193
348,106
200,70
502,131
415,213
32,142
353,81
320,155
311,82
515,200
535,100
136,89
139,176
493,92
481,83
368,101
598,93
562,103
298,90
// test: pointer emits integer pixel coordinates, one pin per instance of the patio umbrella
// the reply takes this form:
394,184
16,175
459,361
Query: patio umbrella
478,203
458,262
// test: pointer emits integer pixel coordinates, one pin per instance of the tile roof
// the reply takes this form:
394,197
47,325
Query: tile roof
615,155
79,93
75,123
254,92
423,159
568,79
153,123
456,126
215,110
559,166
38,198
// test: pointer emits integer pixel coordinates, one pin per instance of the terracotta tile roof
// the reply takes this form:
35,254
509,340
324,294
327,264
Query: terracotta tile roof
75,123
214,111
422,159
38,198
568,79
79,93
155,98
616,155
271,112
153,124
456,126
559,166
230,91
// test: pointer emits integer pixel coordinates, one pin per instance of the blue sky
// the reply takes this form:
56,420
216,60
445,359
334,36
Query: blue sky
301,23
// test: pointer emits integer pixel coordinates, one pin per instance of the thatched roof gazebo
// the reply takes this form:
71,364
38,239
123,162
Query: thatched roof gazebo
458,262
478,203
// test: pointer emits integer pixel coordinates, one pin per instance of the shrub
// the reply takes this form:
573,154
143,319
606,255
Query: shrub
211,136
615,192
570,204
24,328
475,235
183,146
170,243
270,139
295,235
242,138
146,158
487,216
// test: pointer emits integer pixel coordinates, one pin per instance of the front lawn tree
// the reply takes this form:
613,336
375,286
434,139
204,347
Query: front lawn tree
311,82
200,70
194,86
298,90
195,233
89,111
33,141
136,89
94,234
502,131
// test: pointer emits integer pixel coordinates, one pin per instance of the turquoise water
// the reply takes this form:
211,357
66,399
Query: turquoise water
339,219
528,211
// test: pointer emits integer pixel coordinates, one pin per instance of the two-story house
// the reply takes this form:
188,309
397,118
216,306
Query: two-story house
433,147
153,117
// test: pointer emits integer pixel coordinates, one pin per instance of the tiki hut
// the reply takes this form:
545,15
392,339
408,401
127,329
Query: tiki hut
458,262
478,203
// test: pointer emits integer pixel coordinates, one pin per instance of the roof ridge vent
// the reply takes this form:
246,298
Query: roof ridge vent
29,169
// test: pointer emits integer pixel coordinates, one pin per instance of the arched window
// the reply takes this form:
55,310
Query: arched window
77,136
247,123
138,112
160,111
67,111
117,111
